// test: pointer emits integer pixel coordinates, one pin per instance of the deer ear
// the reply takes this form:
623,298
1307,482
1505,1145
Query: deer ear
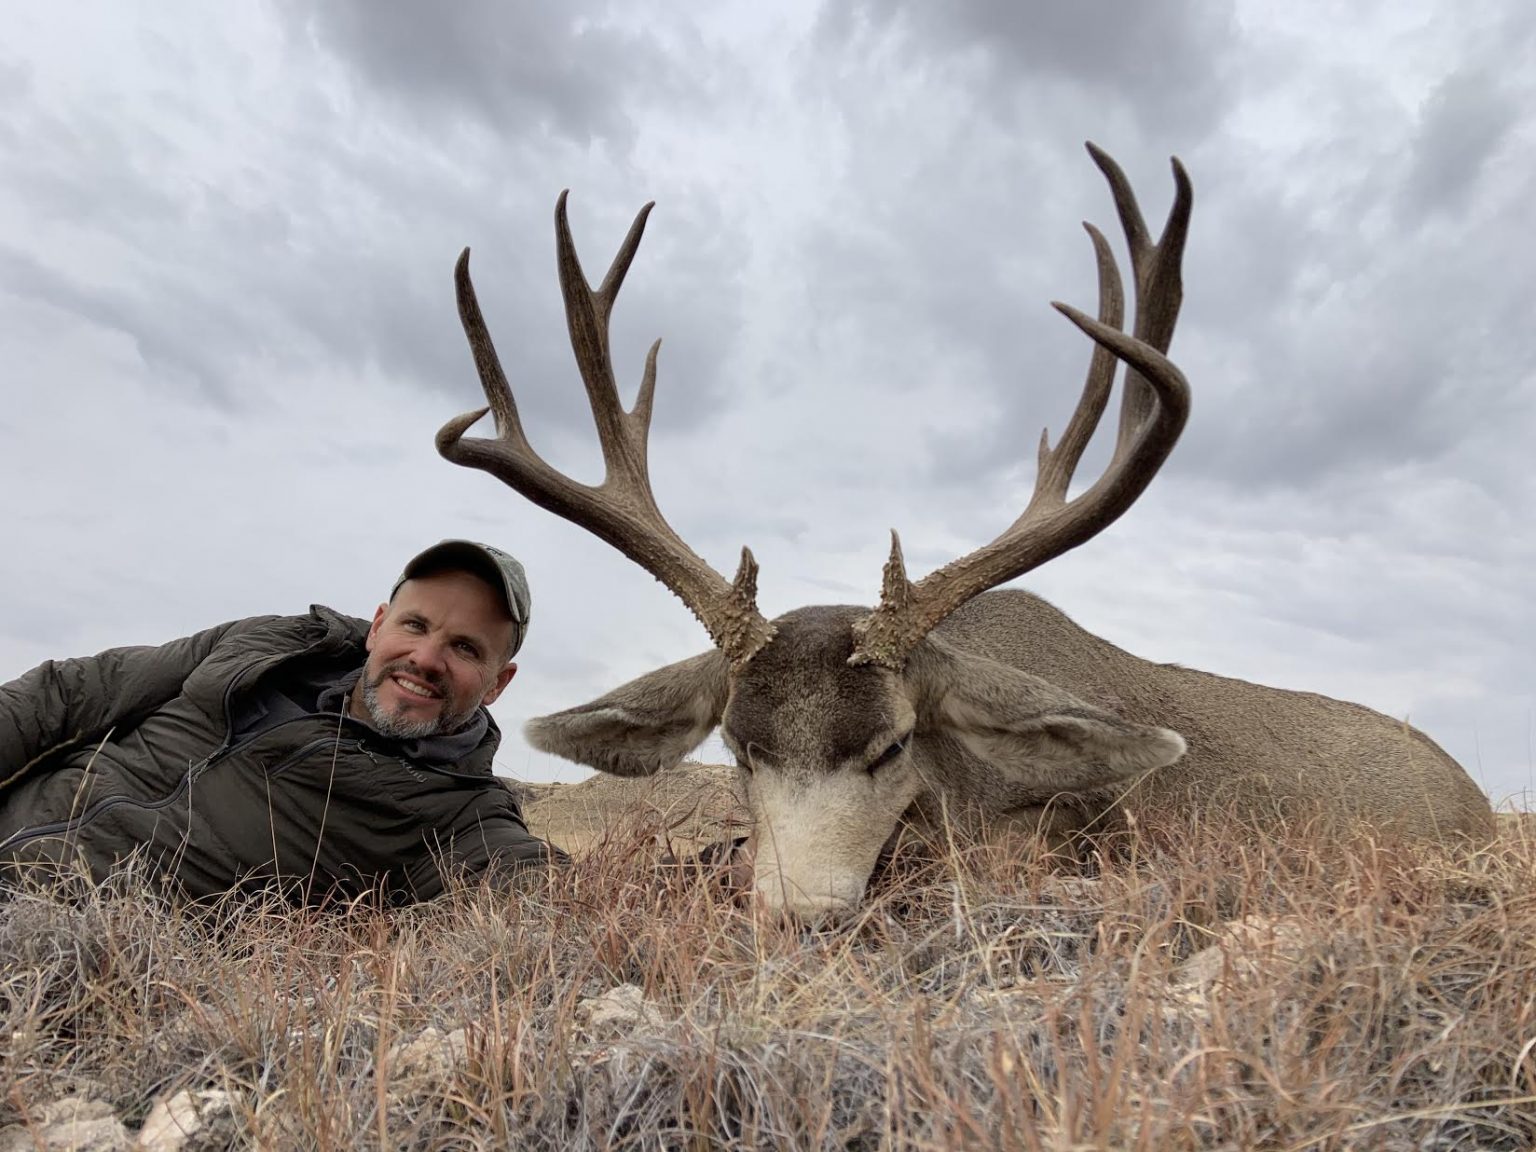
1041,738
641,727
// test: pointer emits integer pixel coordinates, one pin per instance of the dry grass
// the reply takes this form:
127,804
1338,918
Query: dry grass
980,1001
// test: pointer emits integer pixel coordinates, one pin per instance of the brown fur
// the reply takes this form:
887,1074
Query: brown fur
1253,748
1008,708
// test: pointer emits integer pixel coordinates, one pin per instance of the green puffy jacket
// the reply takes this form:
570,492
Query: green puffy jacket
132,752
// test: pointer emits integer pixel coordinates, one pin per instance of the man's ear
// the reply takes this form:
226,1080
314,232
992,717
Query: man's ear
1039,738
373,629
503,678
644,726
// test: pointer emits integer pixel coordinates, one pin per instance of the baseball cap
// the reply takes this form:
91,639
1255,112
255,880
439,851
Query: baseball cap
499,569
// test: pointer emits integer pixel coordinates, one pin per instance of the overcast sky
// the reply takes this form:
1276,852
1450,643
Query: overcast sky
227,235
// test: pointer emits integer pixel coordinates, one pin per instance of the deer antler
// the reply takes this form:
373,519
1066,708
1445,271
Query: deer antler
1154,408
622,509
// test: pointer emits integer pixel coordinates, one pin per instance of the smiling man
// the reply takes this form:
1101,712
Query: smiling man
323,753
443,645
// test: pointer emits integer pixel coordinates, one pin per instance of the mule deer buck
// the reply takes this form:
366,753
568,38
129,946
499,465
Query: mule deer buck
950,695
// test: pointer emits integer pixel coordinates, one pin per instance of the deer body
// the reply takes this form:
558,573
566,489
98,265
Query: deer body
1007,708
947,696
1251,748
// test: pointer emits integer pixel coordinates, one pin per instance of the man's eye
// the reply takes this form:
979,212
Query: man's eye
468,649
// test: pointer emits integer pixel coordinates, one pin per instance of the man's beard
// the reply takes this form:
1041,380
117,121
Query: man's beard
398,728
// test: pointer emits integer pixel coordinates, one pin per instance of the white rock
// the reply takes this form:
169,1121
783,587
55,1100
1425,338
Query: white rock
174,1120
432,1054
624,1009
1244,948
73,1124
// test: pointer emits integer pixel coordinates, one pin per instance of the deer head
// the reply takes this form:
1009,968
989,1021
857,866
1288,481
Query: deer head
842,718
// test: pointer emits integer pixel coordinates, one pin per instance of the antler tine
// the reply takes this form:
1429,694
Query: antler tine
1159,295
1156,270
622,510
1154,409
1056,468
586,316
492,379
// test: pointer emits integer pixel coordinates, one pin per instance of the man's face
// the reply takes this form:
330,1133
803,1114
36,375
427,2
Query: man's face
435,654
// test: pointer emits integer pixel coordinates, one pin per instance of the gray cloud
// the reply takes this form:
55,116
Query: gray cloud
1164,61
227,258
1464,124
521,69
1318,344
306,257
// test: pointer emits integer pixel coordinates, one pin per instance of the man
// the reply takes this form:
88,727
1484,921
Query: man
321,753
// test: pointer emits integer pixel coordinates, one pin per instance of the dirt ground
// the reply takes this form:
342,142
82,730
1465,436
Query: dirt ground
691,805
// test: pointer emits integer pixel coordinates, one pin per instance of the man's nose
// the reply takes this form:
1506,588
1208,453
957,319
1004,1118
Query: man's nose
431,655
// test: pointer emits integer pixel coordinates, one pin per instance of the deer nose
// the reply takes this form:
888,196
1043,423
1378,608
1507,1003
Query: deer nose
807,916
815,902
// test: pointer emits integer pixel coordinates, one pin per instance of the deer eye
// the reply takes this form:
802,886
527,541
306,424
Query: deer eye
886,757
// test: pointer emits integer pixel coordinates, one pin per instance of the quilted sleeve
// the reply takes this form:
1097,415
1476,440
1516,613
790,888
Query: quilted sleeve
66,703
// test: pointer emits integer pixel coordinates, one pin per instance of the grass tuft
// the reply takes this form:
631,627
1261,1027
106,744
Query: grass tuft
1213,991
